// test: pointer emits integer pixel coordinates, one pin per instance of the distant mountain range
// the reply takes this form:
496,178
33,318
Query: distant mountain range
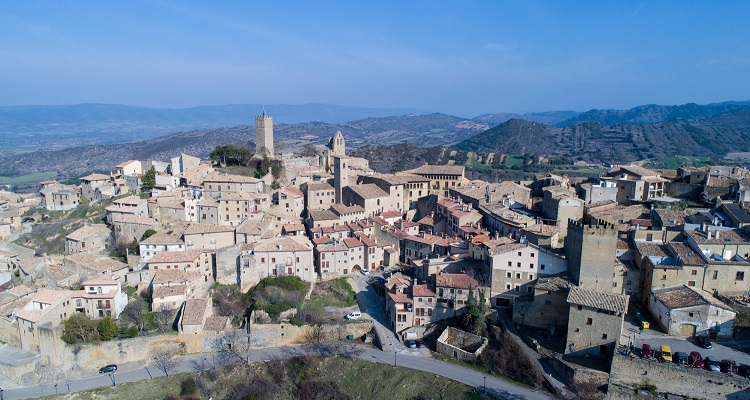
714,136
29,128
597,135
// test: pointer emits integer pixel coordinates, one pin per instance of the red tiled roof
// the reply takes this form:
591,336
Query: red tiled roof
461,281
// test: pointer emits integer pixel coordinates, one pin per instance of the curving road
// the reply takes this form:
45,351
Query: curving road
470,377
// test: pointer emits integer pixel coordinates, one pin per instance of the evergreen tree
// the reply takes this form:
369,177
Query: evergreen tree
79,328
107,329
134,247
148,180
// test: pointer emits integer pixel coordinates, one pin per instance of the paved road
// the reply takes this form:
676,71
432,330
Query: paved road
455,372
374,306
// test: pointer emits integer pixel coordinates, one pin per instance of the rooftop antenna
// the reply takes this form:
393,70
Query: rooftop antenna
264,110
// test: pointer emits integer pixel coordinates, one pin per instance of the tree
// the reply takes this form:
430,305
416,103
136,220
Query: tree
107,329
308,150
165,360
79,329
134,247
475,311
148,234
134,312
165,318
232,155
148,180
231,347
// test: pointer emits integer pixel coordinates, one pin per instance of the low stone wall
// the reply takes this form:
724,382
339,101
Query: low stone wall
461,345
576,374
277,335
636,374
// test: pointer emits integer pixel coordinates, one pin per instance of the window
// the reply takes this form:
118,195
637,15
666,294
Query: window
531,265
664,277
690,315
519,254
691,283
531,277
541,267
532,255
518,265
510,274
694,272
262,259
740,276
716,274
589,321
510,263
580,307
604,336
614,284
507,286
518,275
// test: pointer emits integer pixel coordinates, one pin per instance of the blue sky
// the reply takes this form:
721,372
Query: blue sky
461,58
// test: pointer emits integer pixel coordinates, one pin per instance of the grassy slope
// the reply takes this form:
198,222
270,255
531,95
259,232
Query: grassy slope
361,379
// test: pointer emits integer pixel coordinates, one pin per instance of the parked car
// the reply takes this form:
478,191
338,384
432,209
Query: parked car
646,351
411,344
704,342
665,353
729,366
354,315
680,358
712,364
695,360
108,368
420,343
743,370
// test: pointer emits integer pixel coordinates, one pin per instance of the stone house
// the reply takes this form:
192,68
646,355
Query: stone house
86,264
130,167
424,246
502,220
453,292
442,177
194,315
102,296
370,197
636,184
208,237
171,287
318,218
217,185
290,200
462,345
160,242
343,258
404,190
318,195
89,183
57,199
169,209
595,321
277,256
190,261
45,307
477,193
547,306
515,266
128,227
130,205
183,163
561,205
685,311
88,238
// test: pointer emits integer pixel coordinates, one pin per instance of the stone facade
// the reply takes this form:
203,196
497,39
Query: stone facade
461,345
591,251
594,322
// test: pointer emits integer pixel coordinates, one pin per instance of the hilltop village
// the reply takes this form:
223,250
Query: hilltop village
580,269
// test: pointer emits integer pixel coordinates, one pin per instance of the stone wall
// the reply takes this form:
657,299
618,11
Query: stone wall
632,374
461,345
572,373
276,335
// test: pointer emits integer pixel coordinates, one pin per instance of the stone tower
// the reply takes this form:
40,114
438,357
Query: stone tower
591,251
340,176
263,135
337,145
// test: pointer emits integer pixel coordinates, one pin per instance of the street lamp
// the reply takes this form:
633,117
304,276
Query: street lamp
484,391
394,358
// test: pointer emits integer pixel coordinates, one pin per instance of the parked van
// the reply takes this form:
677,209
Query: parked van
665,353
354,315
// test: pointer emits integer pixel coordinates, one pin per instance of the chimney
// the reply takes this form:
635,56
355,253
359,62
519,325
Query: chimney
708,234
717,234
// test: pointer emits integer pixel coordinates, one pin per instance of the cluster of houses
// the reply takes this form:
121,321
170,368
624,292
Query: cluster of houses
564,254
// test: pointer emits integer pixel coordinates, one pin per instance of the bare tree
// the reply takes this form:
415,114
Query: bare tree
135,311
69,376
314,335
165,360
165,318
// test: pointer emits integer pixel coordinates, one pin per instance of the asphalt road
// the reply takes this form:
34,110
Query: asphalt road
455,372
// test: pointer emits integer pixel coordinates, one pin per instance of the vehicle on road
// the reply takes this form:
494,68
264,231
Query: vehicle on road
354,315
665,353
704,342
411,344
743,370
680,358
729,366
646,351
365,272
695,360
712,364
420,343
642,321
108,369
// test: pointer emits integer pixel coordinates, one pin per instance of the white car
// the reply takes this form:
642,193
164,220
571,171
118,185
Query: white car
354,315
365,272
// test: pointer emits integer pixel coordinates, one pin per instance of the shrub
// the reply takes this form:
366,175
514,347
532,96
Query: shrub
187,386
107,329
258,388
79,329
316,390
296,321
